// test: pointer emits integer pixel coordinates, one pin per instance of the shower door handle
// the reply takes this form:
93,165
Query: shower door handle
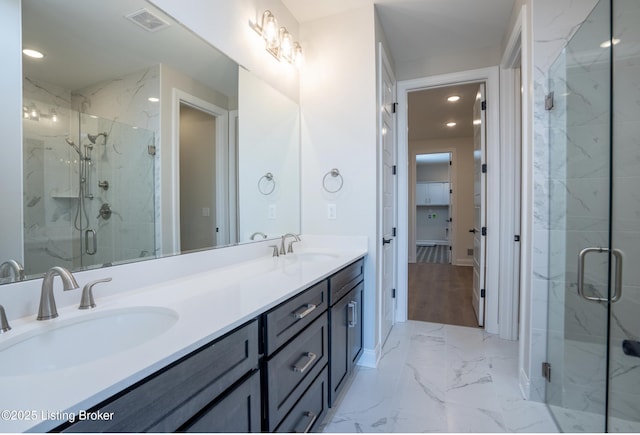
618,274
618,287
94,240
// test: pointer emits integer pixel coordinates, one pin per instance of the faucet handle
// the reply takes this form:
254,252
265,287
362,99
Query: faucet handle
87,300
4,323
275,250
290,248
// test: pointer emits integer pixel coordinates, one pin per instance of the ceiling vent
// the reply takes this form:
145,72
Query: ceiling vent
147,20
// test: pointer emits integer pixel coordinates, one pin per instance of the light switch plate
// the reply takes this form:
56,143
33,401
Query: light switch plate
273,211
331,211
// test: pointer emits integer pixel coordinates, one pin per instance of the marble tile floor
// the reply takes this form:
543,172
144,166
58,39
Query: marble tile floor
439,378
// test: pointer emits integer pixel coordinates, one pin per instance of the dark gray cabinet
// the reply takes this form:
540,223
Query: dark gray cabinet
239,411
345,318
293,368
310,409
168,399
289,318
276,373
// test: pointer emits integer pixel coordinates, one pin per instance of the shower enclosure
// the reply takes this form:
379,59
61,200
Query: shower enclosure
88,191
594,245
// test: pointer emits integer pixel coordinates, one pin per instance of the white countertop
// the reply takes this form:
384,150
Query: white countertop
208,304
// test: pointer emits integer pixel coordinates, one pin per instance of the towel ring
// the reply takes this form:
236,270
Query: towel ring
335,173
269,181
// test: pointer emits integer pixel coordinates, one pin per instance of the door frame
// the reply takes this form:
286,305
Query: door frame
221,153
490,76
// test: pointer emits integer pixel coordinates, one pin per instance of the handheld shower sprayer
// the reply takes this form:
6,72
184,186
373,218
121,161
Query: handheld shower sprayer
73,144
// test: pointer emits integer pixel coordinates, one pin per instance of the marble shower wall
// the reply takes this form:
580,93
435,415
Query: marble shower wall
554,22
120,108
50,178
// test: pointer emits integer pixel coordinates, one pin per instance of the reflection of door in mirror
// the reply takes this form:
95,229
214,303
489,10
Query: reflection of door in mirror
205,145
198,225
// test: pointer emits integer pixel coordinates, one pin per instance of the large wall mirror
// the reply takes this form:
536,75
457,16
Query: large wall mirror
141,140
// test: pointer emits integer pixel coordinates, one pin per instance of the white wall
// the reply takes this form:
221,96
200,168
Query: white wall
225,24
338,101
269,142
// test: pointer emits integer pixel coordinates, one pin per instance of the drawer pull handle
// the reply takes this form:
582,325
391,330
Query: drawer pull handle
312,419
304,311
311,358
353,317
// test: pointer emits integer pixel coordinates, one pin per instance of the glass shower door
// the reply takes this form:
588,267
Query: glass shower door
579,227
624,344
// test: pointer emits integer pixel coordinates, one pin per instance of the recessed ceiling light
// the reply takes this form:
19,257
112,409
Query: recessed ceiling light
477,121
607,43
451,124
32,53
453,98
154,99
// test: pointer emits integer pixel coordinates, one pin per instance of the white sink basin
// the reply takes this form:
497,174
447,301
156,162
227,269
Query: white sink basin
62,344
312,256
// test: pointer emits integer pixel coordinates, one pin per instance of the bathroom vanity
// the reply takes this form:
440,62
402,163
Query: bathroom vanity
261,345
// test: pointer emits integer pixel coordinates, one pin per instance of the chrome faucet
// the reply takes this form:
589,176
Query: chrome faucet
290,249
258,233
47,309
4,323
12,265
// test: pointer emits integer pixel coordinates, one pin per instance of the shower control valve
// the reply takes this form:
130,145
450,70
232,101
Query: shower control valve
105,211
103,184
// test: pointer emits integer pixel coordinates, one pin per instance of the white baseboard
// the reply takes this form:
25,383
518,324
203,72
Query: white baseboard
463,262
369,357
431,242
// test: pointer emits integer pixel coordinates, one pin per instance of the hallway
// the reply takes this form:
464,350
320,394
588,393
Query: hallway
441,293
439,378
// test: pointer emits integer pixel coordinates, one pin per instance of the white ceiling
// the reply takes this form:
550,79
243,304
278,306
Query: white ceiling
430,33
429,111
88,41
419,29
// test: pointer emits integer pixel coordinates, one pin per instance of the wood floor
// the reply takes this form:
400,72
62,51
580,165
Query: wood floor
441,293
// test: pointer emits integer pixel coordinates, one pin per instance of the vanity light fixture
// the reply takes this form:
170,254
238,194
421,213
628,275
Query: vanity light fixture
453,98
278,41
451,124
32,113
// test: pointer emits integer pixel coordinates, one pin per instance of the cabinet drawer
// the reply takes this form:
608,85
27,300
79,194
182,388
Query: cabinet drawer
167,399
286,320
342,282
308,413
291,370
237,412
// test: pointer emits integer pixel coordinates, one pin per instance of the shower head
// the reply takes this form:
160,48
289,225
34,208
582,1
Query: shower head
72,143
94,137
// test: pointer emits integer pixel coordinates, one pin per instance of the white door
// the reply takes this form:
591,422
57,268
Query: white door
479,213
389,197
